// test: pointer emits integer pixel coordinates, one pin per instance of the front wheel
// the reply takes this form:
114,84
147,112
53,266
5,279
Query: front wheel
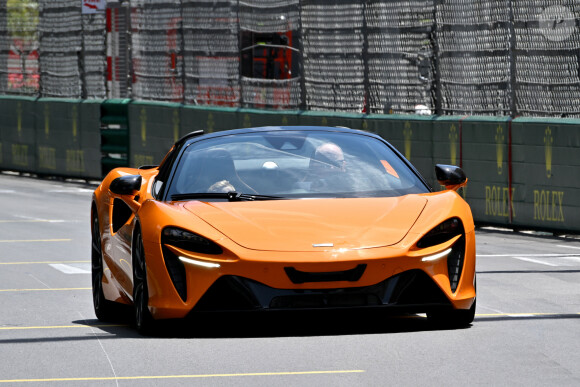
143,319
454,318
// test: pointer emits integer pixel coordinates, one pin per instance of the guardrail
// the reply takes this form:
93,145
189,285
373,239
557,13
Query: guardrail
524,173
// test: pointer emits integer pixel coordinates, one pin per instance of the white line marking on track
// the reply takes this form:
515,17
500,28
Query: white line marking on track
577,259
32,276
71,269
103,348
569,247
536,261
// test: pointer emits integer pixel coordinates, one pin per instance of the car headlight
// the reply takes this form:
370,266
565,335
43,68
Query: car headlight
189,241
442,233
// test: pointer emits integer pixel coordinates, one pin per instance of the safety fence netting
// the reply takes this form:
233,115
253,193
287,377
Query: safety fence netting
451,57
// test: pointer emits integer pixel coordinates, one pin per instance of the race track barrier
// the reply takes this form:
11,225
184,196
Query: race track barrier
47,136
18,134
523,173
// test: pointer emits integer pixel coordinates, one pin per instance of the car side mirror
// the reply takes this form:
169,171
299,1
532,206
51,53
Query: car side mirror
450,176
126,185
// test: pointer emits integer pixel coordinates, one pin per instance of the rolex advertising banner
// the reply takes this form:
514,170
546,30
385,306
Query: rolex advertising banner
153,129
411,135
546,173
485,158
208,119
17,136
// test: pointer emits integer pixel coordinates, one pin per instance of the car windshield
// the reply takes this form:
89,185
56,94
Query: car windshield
291,164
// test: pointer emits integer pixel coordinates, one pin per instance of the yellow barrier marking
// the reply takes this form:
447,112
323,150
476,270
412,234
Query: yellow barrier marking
290,373
34,240
42,290
61,327
40,262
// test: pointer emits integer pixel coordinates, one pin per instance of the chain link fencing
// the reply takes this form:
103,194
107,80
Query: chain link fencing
451,57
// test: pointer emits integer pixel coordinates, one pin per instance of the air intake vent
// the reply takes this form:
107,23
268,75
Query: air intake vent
455,263
176,272
300,277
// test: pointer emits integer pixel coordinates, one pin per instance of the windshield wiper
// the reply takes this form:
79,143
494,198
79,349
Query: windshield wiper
230,196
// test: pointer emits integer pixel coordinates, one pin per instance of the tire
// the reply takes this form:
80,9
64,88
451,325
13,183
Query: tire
144,321
453,318
105,310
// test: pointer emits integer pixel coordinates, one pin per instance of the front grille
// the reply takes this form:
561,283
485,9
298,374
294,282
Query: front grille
412,289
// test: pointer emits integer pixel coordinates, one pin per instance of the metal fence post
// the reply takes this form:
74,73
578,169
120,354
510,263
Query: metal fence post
436,63
512,59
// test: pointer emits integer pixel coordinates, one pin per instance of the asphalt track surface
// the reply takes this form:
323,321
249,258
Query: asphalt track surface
526,330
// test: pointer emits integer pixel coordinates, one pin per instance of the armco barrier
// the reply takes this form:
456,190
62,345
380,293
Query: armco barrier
17,134
523,173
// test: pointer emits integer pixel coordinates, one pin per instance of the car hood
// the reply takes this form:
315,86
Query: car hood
313,224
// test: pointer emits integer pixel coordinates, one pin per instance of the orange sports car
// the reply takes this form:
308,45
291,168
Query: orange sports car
279,218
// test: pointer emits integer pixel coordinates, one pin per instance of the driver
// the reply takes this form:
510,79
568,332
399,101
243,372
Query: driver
327,170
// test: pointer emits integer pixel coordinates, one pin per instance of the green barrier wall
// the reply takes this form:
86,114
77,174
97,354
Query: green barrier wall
17,134
411,135
65,139
546,173
153,128
484,156
248,118
315,118
523,173
209,119
89,134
